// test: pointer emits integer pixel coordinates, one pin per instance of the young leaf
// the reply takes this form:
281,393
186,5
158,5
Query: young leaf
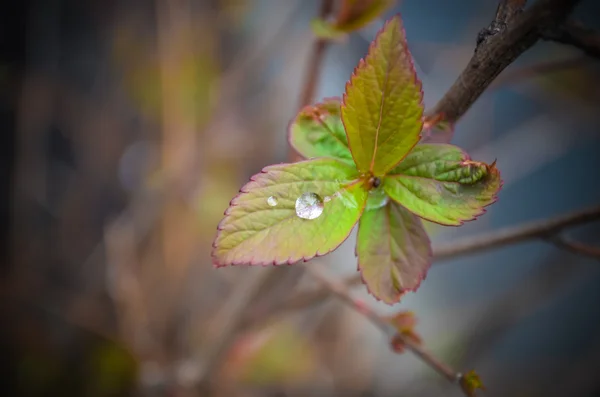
440,183
262,224
405,323
381,109
318,131
470,382
353,15
393,251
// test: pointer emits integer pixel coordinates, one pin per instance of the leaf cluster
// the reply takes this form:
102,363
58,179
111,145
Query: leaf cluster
364,166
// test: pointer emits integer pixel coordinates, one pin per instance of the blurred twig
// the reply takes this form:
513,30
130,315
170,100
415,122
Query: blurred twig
577,35
316,59
575,247
226,325
231,318
511,235
340,290
496,51
313,70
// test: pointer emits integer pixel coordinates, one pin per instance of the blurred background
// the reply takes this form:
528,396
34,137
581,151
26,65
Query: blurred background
127,127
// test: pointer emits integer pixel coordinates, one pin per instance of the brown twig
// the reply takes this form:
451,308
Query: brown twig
340,290
497,51
316,60
575,247
577,35
470,245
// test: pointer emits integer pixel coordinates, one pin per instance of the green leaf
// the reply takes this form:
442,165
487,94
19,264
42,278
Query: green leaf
440,183
257,232
318,131
394,252
353,15
382,110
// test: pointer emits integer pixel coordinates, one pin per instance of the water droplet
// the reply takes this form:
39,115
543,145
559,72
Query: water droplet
309,206
326,199
272,201
377,199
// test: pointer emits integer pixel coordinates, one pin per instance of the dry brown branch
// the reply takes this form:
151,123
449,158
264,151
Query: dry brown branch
499,49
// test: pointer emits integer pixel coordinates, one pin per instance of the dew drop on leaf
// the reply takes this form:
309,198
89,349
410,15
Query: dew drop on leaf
377,199
309,206
272,201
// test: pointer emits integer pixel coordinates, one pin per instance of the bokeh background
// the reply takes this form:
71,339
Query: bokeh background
127,126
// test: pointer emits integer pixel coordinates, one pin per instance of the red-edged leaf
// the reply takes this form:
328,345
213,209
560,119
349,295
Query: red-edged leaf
267,222
317,131
381,109
394,251
440,183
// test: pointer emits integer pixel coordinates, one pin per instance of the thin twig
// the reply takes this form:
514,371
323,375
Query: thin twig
316,60
499,50
575,247
341,291
577,35
470,245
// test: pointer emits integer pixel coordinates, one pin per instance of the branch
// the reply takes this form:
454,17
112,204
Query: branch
340,290
575,247
511,235
577,35
510,37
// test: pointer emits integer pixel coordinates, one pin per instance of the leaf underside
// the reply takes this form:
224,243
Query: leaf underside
255,233
440,183
382,109
317,131
394,251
